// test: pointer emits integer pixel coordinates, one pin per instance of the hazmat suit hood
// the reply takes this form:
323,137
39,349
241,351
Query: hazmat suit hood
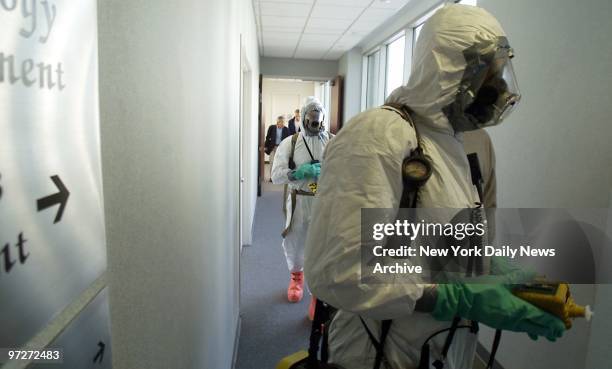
450,36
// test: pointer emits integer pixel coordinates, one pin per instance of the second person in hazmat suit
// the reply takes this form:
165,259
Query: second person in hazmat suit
298,164
461,80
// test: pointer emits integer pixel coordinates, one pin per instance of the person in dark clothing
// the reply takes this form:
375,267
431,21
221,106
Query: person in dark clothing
276,133
294,123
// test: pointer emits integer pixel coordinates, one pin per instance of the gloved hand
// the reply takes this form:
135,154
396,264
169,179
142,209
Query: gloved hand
307,170
495,305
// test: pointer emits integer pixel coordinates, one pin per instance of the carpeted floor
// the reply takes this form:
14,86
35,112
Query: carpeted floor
271,326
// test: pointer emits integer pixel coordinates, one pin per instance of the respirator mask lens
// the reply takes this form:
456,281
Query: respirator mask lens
511,97
499,94
313,121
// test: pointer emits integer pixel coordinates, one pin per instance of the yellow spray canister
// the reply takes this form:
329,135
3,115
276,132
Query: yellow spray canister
555,298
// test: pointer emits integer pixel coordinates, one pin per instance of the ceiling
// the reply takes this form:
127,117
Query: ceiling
318,29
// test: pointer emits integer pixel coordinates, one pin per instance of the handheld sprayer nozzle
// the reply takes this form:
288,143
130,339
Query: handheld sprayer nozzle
588,313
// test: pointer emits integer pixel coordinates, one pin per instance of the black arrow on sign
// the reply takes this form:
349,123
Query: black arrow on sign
100,353
60,198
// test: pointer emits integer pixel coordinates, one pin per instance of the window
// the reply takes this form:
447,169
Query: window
384,70
373,80
323,94
388,65
395,64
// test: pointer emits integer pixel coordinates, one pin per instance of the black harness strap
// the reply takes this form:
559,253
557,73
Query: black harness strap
318,327
293,141
308,148
379,345
496,341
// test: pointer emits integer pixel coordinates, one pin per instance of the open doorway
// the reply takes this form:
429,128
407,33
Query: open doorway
280,98
245,167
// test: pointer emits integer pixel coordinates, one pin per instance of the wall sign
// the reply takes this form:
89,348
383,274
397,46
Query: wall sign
86,341
52,242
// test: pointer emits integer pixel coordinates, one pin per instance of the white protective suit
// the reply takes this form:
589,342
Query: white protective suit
363,170
294,241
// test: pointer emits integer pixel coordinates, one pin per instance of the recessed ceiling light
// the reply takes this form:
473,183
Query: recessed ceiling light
385,1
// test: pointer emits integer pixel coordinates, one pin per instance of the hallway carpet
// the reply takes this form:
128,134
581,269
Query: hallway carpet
271,326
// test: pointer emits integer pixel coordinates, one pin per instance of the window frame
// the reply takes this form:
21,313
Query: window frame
379,82
389,41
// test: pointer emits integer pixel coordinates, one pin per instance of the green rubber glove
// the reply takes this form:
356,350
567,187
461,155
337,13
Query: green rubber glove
494,305
307,170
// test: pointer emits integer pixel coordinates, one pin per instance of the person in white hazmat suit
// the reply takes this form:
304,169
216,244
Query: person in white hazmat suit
461,80
301,174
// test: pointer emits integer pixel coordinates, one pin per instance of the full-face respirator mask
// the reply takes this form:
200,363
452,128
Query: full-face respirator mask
313,120
488,91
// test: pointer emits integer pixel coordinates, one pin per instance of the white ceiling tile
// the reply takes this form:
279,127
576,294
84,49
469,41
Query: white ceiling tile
349,41
336,12
343,46
285,9
323,31
278,52
289,36
280,48
377,14
280,44
363,27
290,1
391,4
283,22
281,30
355,35
356,3
335,26
326,23
314,48
324,39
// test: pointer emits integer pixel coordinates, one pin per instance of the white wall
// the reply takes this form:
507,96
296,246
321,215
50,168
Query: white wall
282,97
170,91
600,345
299,68
554,151
563,53
350,67
563,64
